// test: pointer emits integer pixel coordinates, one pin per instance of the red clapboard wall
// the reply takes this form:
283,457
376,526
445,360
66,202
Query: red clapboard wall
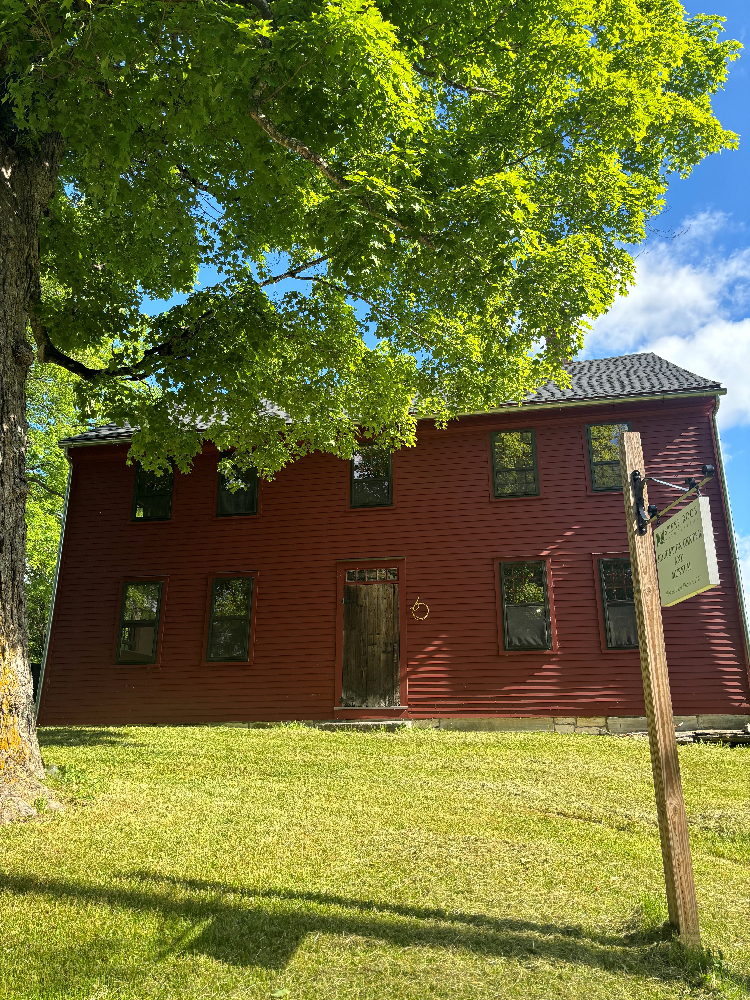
450,533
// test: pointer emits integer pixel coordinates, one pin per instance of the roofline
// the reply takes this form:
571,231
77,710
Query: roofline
558,403
548,405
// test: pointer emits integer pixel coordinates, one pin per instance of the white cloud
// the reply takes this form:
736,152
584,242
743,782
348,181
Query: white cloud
691,305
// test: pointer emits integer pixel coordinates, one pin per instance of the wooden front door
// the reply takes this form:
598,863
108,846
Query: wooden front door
371,661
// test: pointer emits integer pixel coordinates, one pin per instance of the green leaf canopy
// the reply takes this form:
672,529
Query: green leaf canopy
459,179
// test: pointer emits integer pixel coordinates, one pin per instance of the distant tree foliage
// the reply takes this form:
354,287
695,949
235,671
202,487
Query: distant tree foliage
52,415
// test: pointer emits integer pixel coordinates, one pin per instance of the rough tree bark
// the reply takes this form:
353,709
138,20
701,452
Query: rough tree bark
27,183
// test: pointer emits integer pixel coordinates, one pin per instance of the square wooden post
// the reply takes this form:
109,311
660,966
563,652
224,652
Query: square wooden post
670,805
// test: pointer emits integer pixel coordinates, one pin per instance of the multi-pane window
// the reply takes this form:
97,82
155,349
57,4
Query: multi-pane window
372,478
238,493
604,455
139,622
526,619
617,600
514,468
152,499
229,626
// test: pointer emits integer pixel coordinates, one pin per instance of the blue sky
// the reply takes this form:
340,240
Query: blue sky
691,300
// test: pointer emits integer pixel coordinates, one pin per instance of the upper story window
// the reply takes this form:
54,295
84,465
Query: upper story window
372,477
229,627
514,467
244,499
604,455
139,622
616,580
152,498
526,618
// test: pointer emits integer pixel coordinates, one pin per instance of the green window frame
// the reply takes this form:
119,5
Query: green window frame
140,615
152,495
371,477
515,472
618,603
525,605
230,619
243,502
603,443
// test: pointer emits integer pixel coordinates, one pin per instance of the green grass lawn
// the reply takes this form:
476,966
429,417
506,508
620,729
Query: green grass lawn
288,862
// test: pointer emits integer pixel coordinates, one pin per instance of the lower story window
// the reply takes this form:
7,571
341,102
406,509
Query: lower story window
619,606
139,622
229,626
526,618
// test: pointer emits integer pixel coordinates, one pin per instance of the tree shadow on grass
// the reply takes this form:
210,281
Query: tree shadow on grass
265,927
84,736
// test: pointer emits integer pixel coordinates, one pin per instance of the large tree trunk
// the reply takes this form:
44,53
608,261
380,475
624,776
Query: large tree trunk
27,184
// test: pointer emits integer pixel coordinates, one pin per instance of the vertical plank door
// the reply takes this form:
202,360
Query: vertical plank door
370,666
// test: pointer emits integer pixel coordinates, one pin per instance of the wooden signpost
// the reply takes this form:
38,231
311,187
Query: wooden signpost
670,805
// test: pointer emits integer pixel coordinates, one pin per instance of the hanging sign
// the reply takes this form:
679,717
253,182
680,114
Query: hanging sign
686,554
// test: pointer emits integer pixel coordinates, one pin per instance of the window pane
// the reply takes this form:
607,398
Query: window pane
231,597
607,476
526,627
393,573
619,607
351,575
139,623
604,444
244,500
229,639
621,627
514,463
523,583
525,607
371,463
371,492
137,643
229,631
141,601
153,495
371,477
618,579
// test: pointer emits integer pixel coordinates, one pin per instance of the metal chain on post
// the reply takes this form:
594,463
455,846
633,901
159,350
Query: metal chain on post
670,805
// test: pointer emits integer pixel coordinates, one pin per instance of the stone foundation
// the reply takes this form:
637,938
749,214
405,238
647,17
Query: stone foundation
595,725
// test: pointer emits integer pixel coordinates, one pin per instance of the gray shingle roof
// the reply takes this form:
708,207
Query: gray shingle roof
596,379
629,375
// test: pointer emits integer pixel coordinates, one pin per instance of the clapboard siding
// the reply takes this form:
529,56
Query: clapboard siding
449,529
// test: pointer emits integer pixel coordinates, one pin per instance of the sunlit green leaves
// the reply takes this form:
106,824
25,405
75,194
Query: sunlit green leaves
467,174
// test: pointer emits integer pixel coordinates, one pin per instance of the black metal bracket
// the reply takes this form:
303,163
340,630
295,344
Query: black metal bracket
644,518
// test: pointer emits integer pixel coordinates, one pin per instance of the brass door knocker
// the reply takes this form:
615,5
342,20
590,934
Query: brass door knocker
416,606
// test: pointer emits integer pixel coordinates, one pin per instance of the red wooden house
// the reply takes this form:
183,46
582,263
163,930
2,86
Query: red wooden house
482,573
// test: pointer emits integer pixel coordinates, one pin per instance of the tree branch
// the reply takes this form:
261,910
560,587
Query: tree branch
454,83
294,271
300,149
39,482
187,176
47,352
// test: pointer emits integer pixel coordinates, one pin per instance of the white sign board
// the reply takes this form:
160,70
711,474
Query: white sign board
686,554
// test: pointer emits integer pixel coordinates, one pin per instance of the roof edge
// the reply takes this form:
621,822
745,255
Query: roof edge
557,404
